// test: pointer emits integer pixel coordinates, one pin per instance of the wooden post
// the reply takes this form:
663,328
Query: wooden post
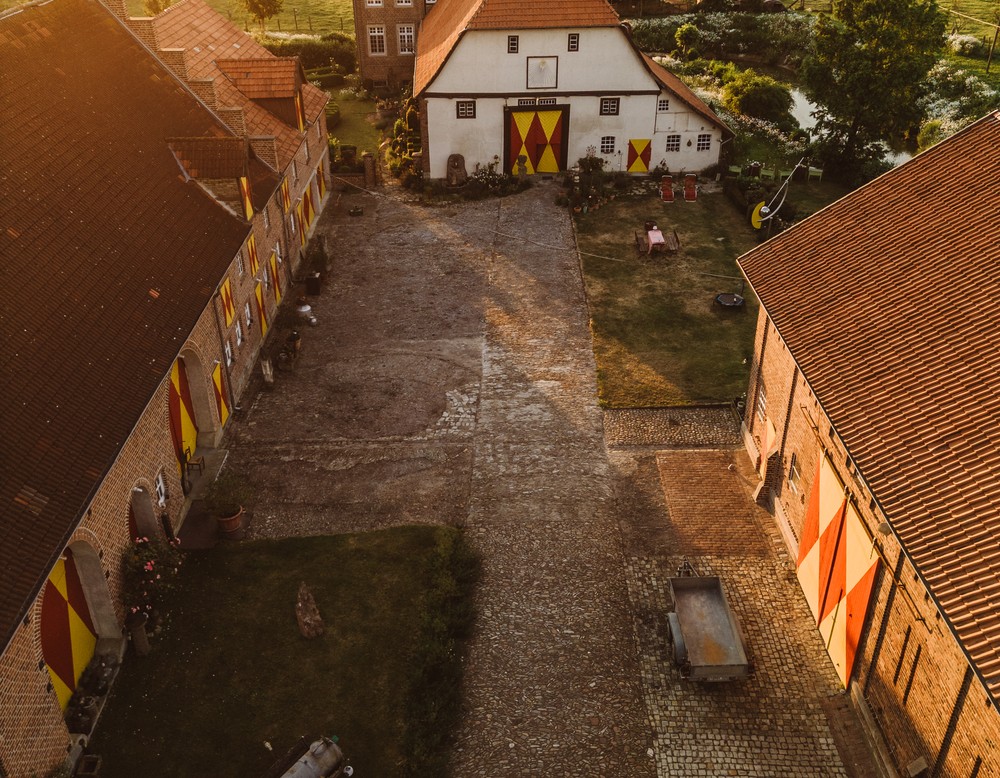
989,58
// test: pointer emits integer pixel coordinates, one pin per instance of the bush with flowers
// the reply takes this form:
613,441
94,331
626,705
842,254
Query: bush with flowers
149,575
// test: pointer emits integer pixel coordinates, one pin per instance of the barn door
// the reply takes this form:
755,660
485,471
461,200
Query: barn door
540,136
67,629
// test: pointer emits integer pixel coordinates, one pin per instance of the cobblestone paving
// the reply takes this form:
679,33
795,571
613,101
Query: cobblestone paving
552,679
708,426
694,505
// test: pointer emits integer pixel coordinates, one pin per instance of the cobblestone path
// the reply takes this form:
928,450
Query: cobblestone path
552,680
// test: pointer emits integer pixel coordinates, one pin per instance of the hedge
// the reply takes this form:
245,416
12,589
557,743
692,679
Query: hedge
335,48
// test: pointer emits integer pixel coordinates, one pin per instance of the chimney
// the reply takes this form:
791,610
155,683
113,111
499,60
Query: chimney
233,117
143,29
205,89
118,7
176,60
266,149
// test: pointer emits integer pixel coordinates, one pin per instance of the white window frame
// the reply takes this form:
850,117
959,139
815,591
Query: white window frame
794,476
404,3
704,142
277,251
610,106
239,334
373,3
662,104
522,101
267,278
608,144
248,315
160,487
291,221
227,349
673,143
406,33
465,109
573,41
761,401
240,267
376,34
295,172
267,219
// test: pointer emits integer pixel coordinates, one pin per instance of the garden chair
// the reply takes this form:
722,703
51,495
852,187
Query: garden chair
736,170
816,172
192,462
767,172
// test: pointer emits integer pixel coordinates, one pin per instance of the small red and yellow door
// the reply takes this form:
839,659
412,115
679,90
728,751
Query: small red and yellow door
836,567
183,427
67,629
540,136
639,152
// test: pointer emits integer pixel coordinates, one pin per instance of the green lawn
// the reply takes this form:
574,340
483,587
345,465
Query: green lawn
659,339
233,673
356,128
304,16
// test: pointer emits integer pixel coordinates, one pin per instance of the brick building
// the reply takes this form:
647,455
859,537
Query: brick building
386,35
152,215
872,414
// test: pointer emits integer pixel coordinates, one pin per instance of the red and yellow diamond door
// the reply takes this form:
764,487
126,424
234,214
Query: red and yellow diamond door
639,152
67,630
183,427
836,567
539,136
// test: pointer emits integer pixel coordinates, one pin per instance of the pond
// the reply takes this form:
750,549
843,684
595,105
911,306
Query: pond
802,111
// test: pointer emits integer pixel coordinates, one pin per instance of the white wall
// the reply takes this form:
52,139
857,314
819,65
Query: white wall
480,68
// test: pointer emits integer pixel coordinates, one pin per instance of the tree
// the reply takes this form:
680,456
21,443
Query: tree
262,10
867,70
754,94
154,7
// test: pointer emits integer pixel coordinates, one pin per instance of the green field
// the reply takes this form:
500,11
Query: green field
303,16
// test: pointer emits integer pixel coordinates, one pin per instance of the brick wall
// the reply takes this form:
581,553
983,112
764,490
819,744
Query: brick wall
392,67
909,665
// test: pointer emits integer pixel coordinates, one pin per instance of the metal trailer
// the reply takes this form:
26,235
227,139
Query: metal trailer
707,639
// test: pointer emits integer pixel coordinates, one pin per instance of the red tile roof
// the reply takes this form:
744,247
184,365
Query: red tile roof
210,39
449,19
886,299
110,255
263,78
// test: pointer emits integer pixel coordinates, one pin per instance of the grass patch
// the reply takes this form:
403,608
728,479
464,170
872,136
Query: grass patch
356,127
303,16
659,338
233,672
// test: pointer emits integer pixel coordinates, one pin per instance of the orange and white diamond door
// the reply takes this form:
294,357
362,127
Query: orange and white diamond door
836,567
183,427
639,152
66,629
539,136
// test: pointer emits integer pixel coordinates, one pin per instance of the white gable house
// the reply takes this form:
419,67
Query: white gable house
503,79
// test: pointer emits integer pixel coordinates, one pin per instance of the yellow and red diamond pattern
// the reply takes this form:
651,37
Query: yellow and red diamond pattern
67,631
538,136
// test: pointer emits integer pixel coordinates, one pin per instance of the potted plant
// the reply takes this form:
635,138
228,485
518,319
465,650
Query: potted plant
226,498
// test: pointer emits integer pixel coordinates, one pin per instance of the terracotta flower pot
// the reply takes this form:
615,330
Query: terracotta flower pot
230,524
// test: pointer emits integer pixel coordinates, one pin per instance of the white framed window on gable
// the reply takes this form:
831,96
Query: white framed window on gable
247,315
376,39
405,33
610,106
267,219
794,476
239,334
663,105
673,143
295,171
404,3
607,144
761,401
704,142
573,41
465,109
512,44
160,486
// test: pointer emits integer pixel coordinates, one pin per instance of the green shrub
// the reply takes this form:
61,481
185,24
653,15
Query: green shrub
332,116
333,49
762,97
